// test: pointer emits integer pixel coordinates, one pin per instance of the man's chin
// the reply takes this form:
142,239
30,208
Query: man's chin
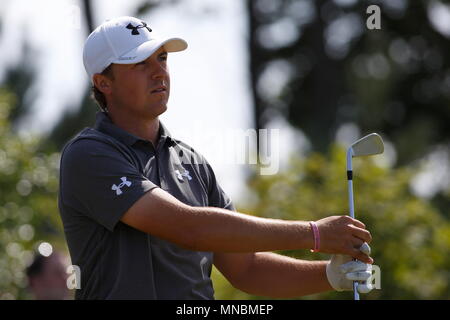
161,109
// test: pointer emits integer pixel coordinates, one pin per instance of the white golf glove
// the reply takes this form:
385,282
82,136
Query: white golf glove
342,271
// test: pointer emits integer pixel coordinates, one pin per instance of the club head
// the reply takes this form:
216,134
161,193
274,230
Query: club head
367,146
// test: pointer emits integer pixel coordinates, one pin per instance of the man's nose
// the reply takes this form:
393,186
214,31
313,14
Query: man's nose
158,71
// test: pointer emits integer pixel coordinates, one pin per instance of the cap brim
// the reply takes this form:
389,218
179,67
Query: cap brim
146,49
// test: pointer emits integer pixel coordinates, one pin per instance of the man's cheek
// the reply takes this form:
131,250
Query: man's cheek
137,91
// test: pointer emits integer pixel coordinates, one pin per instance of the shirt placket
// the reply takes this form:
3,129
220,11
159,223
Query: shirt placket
159,156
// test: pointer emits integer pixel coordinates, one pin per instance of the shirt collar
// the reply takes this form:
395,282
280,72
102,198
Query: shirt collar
103,123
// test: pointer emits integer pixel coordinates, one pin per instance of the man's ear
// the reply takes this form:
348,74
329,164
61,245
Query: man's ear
102,83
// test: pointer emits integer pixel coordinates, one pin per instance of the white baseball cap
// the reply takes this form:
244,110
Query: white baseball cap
123,40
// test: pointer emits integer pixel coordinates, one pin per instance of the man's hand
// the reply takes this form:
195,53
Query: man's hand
343,235
342,271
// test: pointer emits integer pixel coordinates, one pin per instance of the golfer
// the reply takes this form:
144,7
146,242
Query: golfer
143,213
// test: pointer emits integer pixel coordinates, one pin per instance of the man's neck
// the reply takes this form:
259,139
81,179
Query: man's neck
147,129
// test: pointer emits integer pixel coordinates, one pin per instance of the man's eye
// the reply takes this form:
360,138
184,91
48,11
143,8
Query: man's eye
164,58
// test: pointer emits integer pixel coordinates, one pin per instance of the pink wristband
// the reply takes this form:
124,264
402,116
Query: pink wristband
316,236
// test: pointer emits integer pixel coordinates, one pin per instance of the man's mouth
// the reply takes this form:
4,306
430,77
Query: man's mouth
159,89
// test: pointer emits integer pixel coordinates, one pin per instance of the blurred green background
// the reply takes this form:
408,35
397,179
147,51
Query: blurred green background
317,66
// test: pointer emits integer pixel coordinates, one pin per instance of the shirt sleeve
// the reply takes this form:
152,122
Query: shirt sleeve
100,181
216,196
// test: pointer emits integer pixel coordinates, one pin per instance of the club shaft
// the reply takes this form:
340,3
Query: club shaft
350,199
351,207
352,214
355,291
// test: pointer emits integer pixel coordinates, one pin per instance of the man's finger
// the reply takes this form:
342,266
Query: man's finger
357,254
357,243
358,223
361,234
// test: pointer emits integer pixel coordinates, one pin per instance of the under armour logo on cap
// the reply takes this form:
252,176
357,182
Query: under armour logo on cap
123,40
118,188
135,28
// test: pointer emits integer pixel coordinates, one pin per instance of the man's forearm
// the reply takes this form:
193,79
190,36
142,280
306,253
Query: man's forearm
221,230
276,276
214,229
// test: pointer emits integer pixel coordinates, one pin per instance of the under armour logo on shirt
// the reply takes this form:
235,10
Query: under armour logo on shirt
183,174
118,188
135,29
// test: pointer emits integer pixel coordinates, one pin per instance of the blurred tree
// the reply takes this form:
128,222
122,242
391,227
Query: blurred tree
411,240
88,15
72,121
19,80
315,63
28,207
78,117
148,5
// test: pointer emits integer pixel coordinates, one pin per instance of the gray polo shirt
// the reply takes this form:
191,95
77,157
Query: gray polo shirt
104,171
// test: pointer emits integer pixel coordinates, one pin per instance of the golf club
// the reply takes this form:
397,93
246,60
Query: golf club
369,145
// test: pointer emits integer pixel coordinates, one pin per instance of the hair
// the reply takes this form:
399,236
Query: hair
97,95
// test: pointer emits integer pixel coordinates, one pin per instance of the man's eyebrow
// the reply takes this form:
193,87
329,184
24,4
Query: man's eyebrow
164,52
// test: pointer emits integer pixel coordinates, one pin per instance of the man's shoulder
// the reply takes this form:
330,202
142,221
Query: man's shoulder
87,141
90,136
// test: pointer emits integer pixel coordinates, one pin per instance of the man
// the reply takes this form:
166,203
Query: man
47,277
143,213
